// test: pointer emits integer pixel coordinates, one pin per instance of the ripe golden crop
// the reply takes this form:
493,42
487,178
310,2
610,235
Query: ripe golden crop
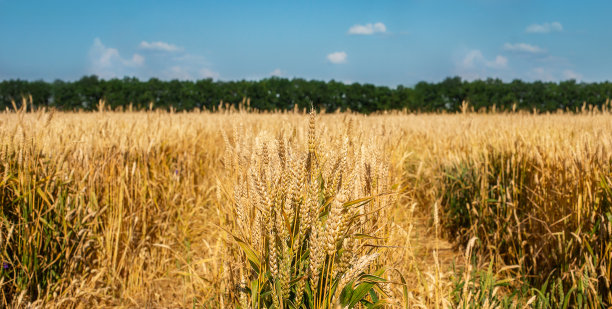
231,209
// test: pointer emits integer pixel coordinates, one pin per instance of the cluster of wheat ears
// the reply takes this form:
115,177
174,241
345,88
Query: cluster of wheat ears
302,216
295,210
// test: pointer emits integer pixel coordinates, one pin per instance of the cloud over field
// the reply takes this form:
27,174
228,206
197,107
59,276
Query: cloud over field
106,62
472,64
544,28
159,46
523,47
474,59
171,63
553,74
368,29
337,57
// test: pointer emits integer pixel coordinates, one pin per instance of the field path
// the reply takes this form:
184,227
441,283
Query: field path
426,261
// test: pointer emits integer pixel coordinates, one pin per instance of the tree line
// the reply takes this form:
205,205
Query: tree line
283,94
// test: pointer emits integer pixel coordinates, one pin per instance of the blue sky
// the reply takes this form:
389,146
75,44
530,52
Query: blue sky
380,42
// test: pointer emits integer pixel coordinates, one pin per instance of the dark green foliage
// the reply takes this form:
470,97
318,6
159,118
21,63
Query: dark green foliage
480,287
547,216
43,231
283,94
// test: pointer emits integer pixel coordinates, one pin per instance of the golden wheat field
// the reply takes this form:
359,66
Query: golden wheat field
295,210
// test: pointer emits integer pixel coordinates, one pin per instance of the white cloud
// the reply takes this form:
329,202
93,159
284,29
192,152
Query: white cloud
159,46
569,74
182,72
337,57
523,47
137,60
500,62
471,57
544,28
276,72
475,59
368,29
106,62
473,65
552,73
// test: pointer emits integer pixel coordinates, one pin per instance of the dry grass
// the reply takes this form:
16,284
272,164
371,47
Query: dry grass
150,209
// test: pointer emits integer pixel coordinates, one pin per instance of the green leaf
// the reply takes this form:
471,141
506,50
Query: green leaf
358,201
359,293
346,293
404,288
372,278
373,296
366,303
294,281
380,303
568,296
250,254
589,248
365,236
309,296
254,293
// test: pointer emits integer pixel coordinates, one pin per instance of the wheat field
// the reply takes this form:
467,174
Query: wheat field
236,209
